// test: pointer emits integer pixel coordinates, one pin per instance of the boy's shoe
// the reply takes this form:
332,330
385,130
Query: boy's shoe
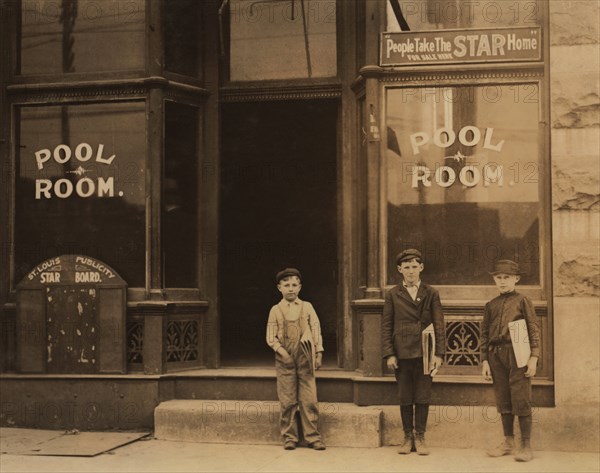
407,444
289,445
318,445
420,444
524,455
505,448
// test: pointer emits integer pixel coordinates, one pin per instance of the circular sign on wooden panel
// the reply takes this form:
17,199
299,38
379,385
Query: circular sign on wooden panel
71,270
71,312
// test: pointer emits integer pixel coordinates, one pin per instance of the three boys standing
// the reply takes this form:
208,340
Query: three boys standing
293,332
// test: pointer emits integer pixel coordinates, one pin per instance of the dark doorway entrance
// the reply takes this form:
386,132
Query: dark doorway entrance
278,209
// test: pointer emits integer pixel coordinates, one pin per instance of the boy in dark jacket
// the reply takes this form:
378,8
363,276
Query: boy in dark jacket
408,309
512,385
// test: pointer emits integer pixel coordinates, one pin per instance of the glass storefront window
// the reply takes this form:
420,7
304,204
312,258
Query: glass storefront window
282,39
425,15
182,36
462,166
80,186
66,36
180,196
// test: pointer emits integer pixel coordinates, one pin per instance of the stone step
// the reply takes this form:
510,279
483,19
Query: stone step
257,422
349,425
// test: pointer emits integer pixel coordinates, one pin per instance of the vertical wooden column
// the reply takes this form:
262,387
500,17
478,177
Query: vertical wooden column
367,312
8,20
155,127
209,182
375,13
155,327
347,157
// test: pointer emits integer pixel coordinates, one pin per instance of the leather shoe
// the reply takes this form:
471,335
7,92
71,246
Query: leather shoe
420,445
289,445
318,445
407,444
524,455
505,448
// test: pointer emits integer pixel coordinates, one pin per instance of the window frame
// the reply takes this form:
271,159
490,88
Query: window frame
134,292
464,292
187,292
16,77
225,62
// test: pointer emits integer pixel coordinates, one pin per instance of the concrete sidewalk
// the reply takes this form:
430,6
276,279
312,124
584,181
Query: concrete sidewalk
170,456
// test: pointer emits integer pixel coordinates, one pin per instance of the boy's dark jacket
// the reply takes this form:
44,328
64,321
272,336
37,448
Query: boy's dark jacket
404,320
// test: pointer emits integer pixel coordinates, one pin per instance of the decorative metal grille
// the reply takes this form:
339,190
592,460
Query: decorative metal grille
135,342
463,341
182,340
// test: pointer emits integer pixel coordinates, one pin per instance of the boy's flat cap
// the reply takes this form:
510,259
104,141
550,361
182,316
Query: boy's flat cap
284,273
408,255
506,266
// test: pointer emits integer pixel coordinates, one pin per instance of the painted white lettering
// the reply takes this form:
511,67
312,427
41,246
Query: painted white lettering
445,137
518,44
487,142
469,176
417,140
90,187
63,188
484,46
493,172
99,157
41,157
106,187
461,49
42,186
439,176
498,42
444,131
50,277
57,154
63,153
421,174
60,192
89,152
402,48
472,38
462,135
87,276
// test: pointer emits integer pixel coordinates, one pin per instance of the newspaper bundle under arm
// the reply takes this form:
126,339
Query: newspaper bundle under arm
306,344
428,345
307,349
520,341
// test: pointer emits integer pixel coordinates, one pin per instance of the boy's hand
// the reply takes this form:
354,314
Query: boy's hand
531,367
437,362
486,371
392,362
287,358
319,360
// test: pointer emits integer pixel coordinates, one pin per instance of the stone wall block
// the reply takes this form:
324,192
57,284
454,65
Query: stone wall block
574,22
575,100
576,269
574,184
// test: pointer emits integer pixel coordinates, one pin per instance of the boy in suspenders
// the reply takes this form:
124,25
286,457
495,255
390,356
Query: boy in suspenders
294,334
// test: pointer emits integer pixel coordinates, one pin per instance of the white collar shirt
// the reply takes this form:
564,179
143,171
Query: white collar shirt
413,289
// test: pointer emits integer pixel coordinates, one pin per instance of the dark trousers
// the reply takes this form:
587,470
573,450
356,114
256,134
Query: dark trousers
511,387
414,388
